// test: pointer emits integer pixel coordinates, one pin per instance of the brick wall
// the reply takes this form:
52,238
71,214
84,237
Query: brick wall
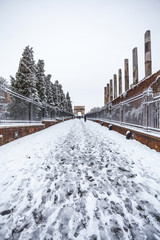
149,140
49,123
8,133
156,87
1,139
139,88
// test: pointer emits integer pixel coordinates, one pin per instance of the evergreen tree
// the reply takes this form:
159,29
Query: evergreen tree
69,104
61,97
25,84
55,89
13,82
25,81
49,92
59,91
41,83
63,101
30,81
3,81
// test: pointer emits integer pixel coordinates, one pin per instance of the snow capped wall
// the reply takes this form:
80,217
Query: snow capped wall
12,132
149,139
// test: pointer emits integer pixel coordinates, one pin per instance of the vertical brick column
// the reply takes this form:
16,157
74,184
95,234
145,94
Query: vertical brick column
120,81
126,74
105,95
115,85
147,46
108,93
135,66
111,90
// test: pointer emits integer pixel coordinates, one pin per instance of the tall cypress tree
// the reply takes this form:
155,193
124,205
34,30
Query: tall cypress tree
41,84
25,80
59,94
63,104
30,81
69,104
49,92
61,97
25,84
55,90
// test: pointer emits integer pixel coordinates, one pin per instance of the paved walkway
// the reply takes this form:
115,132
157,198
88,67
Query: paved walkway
82,185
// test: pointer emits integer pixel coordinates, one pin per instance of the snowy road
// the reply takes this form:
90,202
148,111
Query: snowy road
79,181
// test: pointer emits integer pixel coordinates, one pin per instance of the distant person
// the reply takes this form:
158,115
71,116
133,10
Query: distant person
85,118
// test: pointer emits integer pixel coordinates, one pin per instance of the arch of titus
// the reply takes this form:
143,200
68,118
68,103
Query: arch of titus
80,109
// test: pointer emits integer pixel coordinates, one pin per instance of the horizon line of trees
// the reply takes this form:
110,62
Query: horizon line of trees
31,81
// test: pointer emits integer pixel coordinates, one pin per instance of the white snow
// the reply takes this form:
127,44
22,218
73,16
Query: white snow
4,125
132,127
78,180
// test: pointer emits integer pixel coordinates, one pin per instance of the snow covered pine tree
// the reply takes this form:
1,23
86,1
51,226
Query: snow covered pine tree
31,82
69,103
41,86
25,84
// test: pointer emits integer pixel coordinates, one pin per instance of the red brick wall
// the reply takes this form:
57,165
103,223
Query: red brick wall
138,88
150,141
144,138
1,139
8,132
156,86
49,123
66,119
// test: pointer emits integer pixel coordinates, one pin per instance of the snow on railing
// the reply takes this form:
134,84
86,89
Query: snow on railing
16,107
141,111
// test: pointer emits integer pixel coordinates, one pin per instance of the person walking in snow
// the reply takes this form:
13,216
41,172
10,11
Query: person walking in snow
85,118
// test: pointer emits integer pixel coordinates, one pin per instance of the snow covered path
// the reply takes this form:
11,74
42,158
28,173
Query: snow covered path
80,181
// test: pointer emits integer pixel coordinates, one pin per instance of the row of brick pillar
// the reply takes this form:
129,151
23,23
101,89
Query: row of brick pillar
109,94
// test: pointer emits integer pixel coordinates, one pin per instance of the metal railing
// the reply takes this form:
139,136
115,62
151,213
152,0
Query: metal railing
18,108
141,111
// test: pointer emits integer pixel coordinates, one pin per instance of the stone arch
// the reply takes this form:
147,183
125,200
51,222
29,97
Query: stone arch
80,109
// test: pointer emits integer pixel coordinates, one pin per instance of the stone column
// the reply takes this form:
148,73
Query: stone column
105,95
115,85
107,92
111,90
148,62
126,74
120,81
135,66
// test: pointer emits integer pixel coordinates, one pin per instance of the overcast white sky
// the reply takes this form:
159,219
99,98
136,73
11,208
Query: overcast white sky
83,42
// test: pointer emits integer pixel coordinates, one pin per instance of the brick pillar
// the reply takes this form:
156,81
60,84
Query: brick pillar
107,92
135,66
148,62
111,90
105,95
115,85
120,81
126,74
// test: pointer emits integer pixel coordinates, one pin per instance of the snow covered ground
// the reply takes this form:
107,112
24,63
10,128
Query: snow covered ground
78,180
